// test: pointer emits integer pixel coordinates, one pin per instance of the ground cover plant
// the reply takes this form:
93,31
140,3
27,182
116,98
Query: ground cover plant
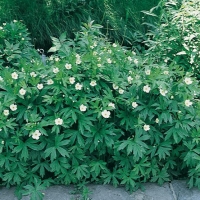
96,112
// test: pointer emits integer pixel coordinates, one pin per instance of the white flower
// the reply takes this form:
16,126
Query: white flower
95,44
147,72
78,61
14,20
146,88
1,28
1,79
2,142
135,105
166,72
83,108
51,58
133,52
93,83
99,65
36,135
78,56
146,127
111,105
157,120
99,58
78,86
58,121
115,87
92,47
188,81
109,61
172,97
163,92
33,74
57,59
105,113
114,45
13,107
129,58
68,66
22,91
129,79
22,38
94,53
121,91
40,86
50,82
4,24
55,70
14,75
135,61
137,76
6,112
72,80
188,103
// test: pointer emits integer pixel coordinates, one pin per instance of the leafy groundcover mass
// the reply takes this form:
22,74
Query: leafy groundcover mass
96,112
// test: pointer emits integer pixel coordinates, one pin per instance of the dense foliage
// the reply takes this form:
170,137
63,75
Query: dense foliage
96,112
45,18
15,46
177,37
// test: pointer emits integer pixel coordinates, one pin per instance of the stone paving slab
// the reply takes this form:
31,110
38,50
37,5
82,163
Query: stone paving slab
182,191
177,190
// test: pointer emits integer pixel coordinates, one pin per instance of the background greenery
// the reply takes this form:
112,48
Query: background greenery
44,18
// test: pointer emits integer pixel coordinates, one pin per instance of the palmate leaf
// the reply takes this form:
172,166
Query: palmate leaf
35,190
97,167
161,177
42,167
111,177
80,171
57,148
164,149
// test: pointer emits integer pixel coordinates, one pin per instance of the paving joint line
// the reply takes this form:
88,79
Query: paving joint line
173,192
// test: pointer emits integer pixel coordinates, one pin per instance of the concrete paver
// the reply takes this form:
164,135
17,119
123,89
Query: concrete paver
176,190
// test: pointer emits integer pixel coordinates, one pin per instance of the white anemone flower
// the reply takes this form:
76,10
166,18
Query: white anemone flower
14,75
188,81
36,135
93,83
55,70
68,66
50,82
83,108
135,105
146,127
105,113
6,112
111,105
13,107
146,88
72,80
58,121
78,86
188,103
22,91
40,86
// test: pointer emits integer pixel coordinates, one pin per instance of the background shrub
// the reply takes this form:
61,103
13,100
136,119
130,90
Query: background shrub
120,19
15,46
97,112
176,38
